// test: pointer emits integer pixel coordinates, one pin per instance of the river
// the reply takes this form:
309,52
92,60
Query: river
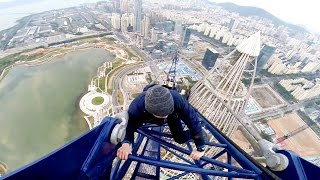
39,105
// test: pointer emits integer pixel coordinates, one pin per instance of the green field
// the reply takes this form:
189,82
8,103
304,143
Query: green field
97,100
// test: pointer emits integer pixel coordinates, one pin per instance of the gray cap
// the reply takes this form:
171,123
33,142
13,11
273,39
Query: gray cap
159,101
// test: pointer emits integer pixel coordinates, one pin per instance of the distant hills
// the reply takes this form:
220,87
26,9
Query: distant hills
254,11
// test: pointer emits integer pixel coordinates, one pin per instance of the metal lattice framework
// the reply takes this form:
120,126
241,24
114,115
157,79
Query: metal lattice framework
92,156
148,162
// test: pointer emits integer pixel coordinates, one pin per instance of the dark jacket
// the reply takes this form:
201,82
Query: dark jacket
138,115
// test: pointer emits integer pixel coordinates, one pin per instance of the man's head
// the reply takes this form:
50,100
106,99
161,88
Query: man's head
159,101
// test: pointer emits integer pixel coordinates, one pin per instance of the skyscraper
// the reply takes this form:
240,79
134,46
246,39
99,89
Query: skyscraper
154,38
124,4
124,22
145,26
265,54
186,37
210,58
137,15
178,27
233,24
116,21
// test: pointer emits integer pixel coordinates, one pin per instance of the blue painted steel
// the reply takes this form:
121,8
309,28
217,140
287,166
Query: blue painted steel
178,155
98,161
184,167
123,170
240,158
204,176
216,144
152,150
298,168
212,161
63,163
91,156
214,157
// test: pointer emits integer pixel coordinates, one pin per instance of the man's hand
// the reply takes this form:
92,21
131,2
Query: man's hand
124,151
196,155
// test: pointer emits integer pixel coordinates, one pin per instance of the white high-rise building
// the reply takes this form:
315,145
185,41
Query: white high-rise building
124,5
131,20
115,21
124,22
178,27
154,37
145,26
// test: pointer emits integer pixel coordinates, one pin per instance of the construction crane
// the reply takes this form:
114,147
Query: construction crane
298,130
171,76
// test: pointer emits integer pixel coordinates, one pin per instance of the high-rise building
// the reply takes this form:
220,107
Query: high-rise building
210,58
233,24
178,27
124,5
154,38
116,5
131,20
145,26
143,42
185,37
265,54
124,22
137,15
115,21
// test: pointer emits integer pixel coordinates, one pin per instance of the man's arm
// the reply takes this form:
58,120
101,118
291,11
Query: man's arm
135,121
189,116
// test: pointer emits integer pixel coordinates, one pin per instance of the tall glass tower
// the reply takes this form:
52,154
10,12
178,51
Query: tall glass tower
265,54
137,15
186,37
210,58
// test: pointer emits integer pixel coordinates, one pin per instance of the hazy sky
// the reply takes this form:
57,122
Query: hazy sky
304,12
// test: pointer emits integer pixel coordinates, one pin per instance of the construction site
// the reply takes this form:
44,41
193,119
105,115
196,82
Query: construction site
304,143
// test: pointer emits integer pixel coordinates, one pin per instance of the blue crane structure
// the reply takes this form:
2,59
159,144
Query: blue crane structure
92,156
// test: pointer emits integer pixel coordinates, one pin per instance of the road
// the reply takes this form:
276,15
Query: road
281,111
117,84
194,65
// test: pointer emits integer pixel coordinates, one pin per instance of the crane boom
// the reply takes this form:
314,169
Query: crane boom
297,131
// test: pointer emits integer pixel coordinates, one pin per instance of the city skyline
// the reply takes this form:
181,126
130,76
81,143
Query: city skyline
306,16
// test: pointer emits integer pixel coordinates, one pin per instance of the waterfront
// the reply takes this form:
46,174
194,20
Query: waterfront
39,105
11,13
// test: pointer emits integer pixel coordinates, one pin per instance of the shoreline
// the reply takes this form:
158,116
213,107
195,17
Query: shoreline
38,61
52,55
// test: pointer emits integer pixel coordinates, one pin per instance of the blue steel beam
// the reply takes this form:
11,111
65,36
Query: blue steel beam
214,157
123,170
179,156
212,161
184,167
241,159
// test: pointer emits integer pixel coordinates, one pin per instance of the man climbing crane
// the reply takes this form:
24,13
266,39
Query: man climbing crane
159,105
